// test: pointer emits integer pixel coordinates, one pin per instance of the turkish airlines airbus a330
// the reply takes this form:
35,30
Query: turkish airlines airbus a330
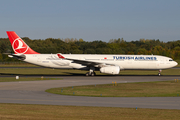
110,64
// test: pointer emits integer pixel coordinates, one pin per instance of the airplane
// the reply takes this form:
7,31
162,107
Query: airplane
109,64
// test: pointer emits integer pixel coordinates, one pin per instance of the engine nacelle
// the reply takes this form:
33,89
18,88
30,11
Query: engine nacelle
110,70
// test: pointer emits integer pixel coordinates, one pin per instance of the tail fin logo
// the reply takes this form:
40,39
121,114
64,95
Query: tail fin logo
19,46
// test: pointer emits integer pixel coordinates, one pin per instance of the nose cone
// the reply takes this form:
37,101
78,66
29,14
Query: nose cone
175,63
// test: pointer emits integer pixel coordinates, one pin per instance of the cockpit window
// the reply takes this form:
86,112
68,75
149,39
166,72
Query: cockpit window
170,59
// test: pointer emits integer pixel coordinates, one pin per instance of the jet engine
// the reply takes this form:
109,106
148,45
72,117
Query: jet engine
110,70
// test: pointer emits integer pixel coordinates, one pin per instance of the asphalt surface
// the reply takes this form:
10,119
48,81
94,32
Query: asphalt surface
33,92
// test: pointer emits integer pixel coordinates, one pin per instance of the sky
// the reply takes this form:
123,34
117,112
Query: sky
92,19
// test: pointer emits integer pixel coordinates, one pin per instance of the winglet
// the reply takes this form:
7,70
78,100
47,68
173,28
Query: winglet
60,56
18,45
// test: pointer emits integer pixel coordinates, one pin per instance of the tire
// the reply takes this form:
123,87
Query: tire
87,74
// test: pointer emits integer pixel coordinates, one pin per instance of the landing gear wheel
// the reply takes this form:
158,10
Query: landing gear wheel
93,74
87,74
159,72
90,74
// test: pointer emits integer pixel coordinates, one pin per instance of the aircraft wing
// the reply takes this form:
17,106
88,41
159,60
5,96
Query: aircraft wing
86,62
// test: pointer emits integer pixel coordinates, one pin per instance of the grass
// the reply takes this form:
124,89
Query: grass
39,71
141,89
17,64
13,79
150,72
49,112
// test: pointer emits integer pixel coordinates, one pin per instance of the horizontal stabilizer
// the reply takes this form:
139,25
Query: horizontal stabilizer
17,56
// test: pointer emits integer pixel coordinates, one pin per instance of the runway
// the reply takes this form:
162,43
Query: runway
33,92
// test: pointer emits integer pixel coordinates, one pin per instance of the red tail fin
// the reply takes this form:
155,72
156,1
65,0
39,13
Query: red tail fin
18,45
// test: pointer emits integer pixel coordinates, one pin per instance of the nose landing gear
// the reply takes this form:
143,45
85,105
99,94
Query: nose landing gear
159,72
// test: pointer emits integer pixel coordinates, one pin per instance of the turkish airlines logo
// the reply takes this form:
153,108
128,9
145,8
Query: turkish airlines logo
19,46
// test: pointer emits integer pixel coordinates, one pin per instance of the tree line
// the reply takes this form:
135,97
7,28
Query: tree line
79,46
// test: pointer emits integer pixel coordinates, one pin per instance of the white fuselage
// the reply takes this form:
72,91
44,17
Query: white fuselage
149,62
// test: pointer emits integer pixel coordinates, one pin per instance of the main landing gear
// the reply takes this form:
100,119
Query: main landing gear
91,73
159,72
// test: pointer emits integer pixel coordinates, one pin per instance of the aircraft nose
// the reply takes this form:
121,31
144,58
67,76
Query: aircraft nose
175,63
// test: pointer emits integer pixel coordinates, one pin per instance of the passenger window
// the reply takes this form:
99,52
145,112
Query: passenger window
170,60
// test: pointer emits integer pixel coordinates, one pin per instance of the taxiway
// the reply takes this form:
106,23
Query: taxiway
33,92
